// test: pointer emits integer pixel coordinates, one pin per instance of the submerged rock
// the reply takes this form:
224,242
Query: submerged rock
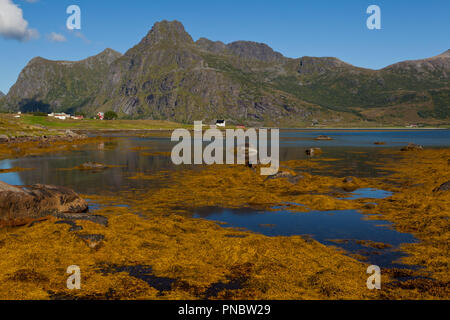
324,138
379,143
92,166
350,184
412,147
348,180
443,187
18,205
370,205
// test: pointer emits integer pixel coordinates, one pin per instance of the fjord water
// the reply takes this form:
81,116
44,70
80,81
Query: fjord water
351,152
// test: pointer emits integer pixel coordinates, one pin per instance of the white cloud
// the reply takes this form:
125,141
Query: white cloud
12,24
82,37
57,37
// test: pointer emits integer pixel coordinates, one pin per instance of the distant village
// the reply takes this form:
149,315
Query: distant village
64,116
217,124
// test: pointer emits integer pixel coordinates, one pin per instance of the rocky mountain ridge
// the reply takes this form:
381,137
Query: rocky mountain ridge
169,76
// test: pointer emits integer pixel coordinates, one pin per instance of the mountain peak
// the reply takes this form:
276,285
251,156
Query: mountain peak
109,51
212,46
108,56
168,31
254,50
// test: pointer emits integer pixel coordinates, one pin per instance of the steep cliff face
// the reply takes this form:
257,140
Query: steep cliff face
45,85
169,76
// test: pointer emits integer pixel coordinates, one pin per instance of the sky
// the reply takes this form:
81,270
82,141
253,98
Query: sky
410,29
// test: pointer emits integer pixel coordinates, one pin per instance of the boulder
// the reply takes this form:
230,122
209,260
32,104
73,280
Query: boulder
70,133
4,138
412,147
287,175
19,205
443,187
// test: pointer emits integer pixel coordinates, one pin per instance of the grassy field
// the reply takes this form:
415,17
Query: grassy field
38,125
29,125
91,124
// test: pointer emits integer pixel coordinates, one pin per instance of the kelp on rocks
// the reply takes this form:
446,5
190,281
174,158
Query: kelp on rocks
199,259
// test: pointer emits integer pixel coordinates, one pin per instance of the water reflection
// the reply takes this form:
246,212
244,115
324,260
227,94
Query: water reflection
353,152
323,226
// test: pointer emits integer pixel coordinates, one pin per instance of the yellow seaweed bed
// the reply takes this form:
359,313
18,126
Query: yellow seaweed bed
187,258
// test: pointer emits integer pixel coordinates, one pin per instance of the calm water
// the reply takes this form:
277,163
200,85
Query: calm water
355,151
322,226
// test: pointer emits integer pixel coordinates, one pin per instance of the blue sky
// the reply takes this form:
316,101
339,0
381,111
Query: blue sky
410,29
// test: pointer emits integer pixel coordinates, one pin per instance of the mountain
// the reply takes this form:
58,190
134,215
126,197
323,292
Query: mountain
45,85
169,76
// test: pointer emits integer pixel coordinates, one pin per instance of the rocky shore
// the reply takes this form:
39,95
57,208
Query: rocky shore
67,136
20,205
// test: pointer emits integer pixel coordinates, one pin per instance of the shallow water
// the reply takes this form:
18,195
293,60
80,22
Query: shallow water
354,154
368,193
354,150
322,226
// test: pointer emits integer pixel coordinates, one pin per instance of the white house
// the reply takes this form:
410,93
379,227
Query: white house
60,116
220,123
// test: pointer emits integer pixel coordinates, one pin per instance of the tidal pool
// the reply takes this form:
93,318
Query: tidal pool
369,193
347,229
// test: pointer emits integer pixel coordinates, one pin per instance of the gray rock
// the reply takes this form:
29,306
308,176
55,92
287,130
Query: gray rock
92,166
102,220
412,147
4,138
443,187
286,175
19,204
71,134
